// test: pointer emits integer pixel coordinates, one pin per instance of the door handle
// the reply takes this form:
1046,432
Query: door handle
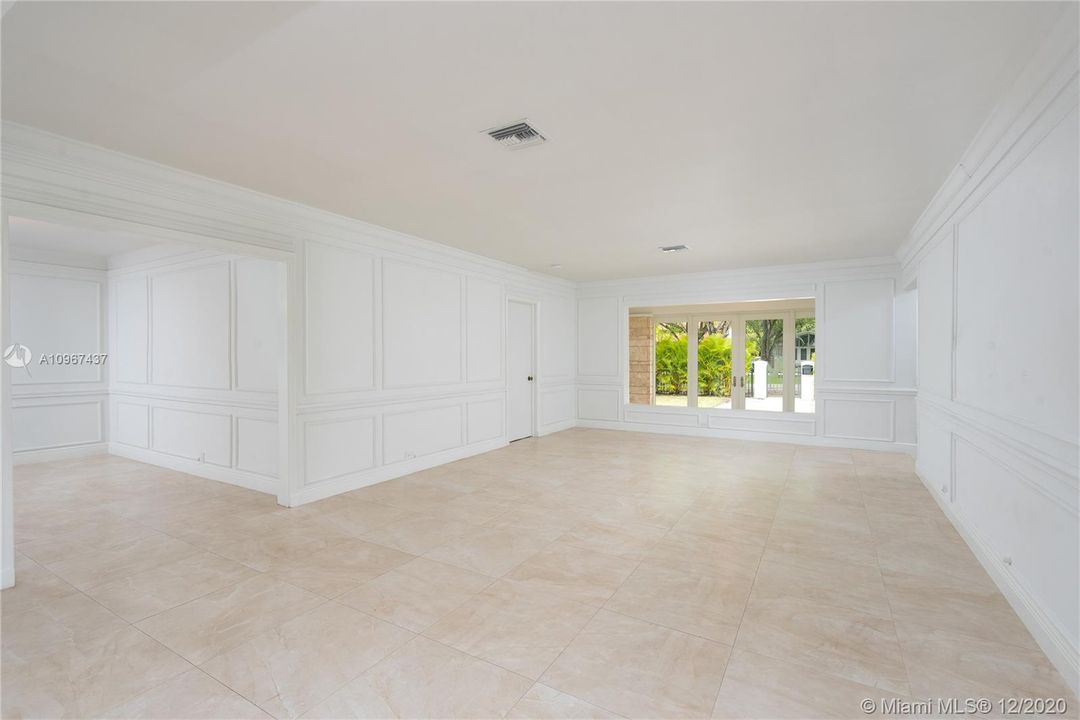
530,378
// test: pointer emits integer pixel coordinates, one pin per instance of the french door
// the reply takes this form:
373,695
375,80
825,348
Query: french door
741,361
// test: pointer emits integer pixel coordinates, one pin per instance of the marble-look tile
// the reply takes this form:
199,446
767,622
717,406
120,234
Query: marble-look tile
640,670
417,534
710,606
815,541
289,669
725,525
95,568
36,587
86,678
66,622
843,642
956,606
948,665
97,537
489,551
220,621
628,541
695,553
356,518
160,588
341,567
518,629
193,695
846,585
544,703
581,575
757,686
417,594
425,679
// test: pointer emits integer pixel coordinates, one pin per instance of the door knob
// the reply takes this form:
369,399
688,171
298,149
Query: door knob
530,378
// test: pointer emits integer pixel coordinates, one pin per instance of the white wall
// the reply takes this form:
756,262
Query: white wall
58,410
405,360
864,349
195,345
994,259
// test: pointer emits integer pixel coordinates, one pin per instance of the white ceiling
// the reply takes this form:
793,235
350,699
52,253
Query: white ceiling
755,133
37,235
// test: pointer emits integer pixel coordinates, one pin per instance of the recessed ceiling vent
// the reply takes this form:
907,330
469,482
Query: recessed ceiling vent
673,248
519,135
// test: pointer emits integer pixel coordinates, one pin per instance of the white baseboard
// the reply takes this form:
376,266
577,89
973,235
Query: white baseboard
1049,637
231,476
7,578
555,427
359,480
26,457
752,435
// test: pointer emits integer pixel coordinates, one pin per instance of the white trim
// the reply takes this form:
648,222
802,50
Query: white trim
220,473
1054,643
67,452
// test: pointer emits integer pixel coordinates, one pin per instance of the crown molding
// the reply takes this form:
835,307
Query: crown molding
55,172
1043,92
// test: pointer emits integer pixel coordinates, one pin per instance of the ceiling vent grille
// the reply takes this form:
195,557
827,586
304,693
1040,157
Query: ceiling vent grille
673,248
519,135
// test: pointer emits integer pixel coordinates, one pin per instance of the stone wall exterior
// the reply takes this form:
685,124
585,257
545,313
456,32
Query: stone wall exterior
642,359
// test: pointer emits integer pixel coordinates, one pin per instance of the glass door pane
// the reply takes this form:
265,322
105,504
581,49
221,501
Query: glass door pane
671,363
805,359
715,352
765,368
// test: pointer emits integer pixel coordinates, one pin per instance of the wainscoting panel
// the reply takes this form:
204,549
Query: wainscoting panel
415,433
336,448
194,435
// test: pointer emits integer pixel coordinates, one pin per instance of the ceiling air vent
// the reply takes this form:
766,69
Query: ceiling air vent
519,135
673,248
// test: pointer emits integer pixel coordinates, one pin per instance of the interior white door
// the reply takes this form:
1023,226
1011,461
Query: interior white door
521,369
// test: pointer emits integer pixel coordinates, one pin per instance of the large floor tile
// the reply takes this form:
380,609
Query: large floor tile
341,567
194,695
425,679
220,621
518,629
640,670
490,551
581,575
160,588
88,570
417,534
544,703
85,679
62,623
848,643
830,582
289,669
417,594
726,525
951,665
710,606
757,686
683,551
630,541
36,587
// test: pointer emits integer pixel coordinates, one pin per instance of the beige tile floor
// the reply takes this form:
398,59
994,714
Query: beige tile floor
587,574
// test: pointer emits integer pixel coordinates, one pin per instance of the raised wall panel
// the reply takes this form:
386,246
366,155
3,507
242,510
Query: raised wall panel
334,448
935,320
934,459
859,419
190,327
1017,304
484,419
132,424
557,332
258,326
766,423
340,329
662,418
417,433
257,446
858,324
55,315
192,434
598,336
602,404
1039,535
556,405
56,425
421,326
484,323
131,331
